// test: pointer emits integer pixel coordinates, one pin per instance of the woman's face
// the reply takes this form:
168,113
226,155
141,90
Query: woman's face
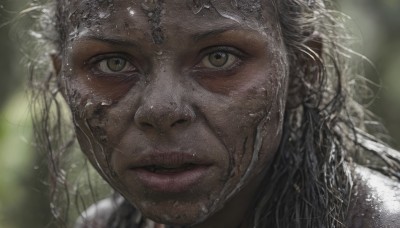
178,105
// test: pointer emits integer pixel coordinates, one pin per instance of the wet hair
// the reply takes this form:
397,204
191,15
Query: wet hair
323,134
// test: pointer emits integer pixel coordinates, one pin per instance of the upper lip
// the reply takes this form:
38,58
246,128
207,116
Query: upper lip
168,159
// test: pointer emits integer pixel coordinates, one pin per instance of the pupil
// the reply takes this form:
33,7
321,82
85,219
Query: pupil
218,59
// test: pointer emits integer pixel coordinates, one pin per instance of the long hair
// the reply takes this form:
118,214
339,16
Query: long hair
324,133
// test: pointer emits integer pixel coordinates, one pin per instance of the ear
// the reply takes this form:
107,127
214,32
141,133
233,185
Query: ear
304,70
57,66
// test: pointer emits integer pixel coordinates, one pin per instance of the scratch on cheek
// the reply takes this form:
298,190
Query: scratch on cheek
154,10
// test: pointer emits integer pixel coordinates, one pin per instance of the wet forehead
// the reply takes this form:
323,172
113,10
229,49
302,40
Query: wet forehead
95,12
161,21
249,7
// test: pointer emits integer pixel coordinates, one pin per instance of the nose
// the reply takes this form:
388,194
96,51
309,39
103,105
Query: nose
163,117
163,109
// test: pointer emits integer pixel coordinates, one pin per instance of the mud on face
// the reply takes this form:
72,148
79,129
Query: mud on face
214,97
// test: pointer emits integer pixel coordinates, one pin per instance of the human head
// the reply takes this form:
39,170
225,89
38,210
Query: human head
172,104
253,117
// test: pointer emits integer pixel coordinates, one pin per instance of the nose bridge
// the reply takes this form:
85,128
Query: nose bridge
163,88
162,106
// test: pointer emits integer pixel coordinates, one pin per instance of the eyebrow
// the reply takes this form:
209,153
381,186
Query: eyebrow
203,35
118,41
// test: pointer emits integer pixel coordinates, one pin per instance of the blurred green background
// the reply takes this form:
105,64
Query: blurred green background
23,190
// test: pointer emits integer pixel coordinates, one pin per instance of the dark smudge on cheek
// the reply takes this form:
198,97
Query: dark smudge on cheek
90,118
154,9
96,122
86,108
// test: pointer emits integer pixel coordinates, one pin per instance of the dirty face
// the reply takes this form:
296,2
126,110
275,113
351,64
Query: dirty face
178,104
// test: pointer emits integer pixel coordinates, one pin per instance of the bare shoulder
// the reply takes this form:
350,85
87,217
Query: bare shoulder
375,200
97,215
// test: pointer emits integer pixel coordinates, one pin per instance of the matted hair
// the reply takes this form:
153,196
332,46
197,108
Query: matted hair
324,133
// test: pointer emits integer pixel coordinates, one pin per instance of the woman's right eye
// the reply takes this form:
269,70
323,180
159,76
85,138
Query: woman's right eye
114,65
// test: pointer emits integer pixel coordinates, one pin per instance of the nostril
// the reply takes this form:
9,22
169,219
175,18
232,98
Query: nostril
146,125
161,118
181,121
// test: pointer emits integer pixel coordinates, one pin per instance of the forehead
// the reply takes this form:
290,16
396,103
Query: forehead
185,13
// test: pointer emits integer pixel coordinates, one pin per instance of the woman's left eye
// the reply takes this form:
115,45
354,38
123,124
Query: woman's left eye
114,65
219,60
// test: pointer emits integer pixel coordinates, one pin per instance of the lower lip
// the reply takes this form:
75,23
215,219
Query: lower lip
173,182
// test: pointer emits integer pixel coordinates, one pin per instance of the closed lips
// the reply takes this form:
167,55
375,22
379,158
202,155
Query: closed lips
159,160
169,169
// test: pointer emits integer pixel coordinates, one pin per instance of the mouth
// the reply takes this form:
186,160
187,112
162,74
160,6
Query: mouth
161,169
170,172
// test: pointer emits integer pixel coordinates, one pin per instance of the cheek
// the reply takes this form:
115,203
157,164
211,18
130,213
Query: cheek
249,124
89,113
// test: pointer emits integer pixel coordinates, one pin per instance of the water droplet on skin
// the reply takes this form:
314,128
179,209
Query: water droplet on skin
89,103
130,10
106,103
204,209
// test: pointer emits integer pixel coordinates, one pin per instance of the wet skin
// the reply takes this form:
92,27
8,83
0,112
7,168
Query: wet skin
180,112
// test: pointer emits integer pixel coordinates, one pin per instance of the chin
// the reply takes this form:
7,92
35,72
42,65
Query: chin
176,212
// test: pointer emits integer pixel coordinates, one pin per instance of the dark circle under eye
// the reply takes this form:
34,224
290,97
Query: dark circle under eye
116,64
218,59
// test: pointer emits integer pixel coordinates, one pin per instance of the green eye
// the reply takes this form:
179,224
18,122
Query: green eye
116,64
219,59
